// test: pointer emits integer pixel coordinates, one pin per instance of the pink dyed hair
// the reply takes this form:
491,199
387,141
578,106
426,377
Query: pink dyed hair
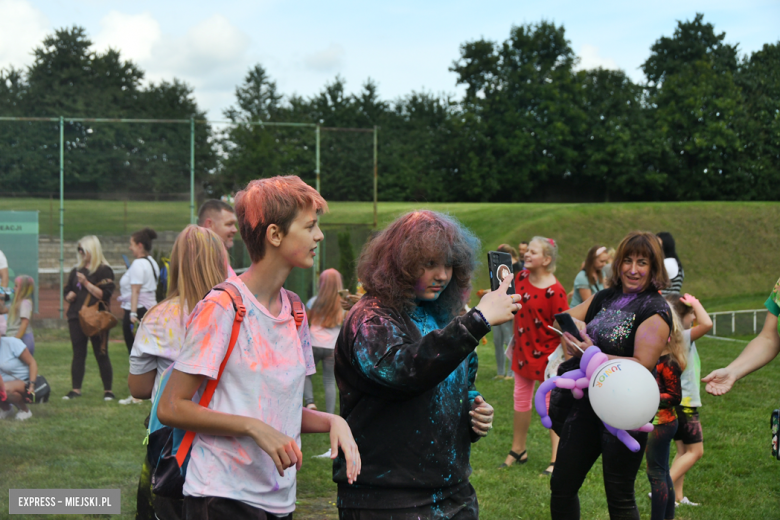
276,200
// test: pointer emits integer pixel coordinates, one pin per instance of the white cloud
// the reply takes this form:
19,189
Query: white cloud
133,35
211,56
590,59
22,28
327,60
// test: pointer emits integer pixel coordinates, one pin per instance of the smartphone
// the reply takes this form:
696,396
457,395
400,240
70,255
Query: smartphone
567,325
344,293
500,265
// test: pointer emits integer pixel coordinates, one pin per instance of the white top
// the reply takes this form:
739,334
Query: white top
690,380
264,379
140,273
25,311
324,338
3,261
159,340
672,269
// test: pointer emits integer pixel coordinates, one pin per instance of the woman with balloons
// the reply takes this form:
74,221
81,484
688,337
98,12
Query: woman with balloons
628,321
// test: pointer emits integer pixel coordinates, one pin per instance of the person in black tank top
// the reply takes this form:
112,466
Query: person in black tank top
628,320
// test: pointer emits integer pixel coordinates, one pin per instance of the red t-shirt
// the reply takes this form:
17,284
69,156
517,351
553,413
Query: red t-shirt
534,341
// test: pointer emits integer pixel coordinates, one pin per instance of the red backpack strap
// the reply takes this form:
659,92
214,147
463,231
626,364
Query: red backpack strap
211,386
298,311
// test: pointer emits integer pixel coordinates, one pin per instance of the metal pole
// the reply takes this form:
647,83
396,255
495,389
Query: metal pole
315,279
317,148
375,177
192,170
62,215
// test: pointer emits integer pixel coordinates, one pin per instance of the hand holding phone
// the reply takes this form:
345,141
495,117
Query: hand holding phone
567,325
500,266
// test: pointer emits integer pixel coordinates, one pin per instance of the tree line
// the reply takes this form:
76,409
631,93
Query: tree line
530,126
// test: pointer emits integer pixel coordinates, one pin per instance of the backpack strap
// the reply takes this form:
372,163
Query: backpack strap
298,311
154,273
211,386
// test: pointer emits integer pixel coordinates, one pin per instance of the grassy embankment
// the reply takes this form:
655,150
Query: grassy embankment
727,248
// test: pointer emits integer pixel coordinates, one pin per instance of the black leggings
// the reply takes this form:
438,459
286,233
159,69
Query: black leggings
658,444
583,439
127,331
99,346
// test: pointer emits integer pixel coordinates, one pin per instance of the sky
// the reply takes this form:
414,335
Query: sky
402,45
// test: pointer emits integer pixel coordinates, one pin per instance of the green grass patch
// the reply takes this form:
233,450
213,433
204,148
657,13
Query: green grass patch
726,247
89,443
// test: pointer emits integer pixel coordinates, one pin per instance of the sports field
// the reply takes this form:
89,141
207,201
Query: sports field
89,443
728,250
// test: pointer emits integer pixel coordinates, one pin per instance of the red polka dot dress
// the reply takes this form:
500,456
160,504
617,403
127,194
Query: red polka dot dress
534,341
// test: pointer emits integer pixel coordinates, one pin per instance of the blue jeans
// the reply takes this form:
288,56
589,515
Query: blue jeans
658,443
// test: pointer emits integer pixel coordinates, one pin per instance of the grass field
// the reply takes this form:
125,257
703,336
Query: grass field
89,443
727,248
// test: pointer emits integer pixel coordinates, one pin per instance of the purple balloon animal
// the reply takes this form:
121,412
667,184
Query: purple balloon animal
576,381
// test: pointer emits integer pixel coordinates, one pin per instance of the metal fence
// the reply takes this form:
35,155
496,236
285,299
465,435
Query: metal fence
737,323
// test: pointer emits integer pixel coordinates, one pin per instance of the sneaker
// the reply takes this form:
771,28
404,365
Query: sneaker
23,416
109,396
325,455
130,400
4,414
686,502
71,395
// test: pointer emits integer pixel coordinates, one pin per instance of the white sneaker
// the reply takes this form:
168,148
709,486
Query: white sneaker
131,400
325,455
686,502
23,416
4,414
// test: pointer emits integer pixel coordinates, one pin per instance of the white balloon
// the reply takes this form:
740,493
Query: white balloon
624,394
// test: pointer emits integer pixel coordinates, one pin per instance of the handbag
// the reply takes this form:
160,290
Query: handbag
94,319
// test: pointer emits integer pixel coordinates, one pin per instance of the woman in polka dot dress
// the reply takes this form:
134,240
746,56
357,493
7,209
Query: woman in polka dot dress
533,341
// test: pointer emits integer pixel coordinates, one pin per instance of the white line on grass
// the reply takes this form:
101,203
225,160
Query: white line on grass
726,339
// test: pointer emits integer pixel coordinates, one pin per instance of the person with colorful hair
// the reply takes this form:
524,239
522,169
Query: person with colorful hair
92,279
630,320
325,318
20,312
246,451
198,263
406,366
533,341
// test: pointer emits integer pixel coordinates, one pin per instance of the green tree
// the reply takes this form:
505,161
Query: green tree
699,115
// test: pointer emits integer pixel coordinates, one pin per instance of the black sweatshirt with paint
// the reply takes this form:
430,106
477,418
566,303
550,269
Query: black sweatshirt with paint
406,398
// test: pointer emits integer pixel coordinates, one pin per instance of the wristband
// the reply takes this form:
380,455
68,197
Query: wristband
135,314
483,318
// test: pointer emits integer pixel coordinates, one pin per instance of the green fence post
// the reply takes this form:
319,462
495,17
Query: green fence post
62,216
192,170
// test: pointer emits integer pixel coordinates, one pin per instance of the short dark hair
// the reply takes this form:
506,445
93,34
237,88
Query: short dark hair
144,237
523,243
212,207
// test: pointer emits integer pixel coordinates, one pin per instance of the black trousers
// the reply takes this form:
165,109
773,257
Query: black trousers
462,505
583,439
127,330
99,346
218,508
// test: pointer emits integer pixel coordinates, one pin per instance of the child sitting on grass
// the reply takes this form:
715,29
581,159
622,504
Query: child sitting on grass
689,438
248,439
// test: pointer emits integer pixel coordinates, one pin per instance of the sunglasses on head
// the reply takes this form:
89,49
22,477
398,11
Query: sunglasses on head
80,250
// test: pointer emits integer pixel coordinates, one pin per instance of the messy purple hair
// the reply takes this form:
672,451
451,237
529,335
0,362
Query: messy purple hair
394,260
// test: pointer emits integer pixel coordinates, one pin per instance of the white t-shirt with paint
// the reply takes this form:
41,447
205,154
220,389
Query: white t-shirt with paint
263,379
159,340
